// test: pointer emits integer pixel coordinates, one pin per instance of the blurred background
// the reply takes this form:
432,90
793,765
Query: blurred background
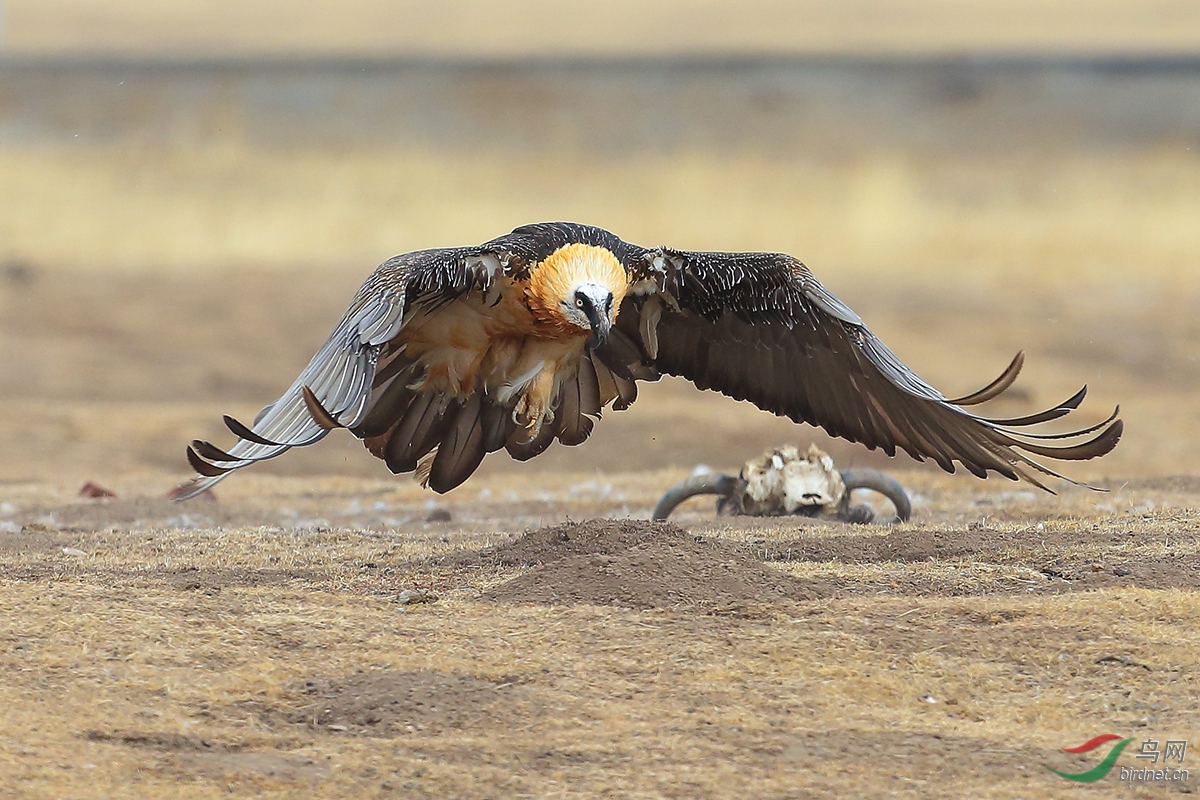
191,191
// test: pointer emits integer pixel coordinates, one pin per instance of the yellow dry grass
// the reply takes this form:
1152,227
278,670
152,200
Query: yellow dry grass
160,650
166,661
474,29
1089,221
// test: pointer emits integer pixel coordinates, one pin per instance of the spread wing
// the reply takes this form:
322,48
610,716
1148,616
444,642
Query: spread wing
336,388
760,327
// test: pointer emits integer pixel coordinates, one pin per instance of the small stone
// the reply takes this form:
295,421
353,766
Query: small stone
73,551
929,699
439,515
414,596
337,727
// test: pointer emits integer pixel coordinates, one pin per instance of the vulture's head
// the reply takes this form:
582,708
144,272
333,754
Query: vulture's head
579,288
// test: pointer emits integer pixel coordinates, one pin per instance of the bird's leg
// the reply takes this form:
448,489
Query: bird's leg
534,406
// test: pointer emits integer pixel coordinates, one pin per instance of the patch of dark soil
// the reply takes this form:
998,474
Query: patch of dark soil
908,546
1146,573
199,579
872,548
997,617
212,580
1116,565
637,564
406,703
599,537
34,539
156,740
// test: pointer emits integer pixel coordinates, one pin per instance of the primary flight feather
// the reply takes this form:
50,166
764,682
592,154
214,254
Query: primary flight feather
447,355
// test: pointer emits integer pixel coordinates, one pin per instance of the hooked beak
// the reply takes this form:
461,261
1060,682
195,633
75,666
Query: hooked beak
600,327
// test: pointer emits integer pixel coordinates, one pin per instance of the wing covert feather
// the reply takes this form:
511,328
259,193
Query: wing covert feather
335,388
754,326
760,327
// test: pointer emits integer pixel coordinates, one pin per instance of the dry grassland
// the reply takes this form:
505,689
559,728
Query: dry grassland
255,646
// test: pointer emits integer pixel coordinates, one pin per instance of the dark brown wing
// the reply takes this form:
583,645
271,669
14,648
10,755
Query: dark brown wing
339,387
759,327
362,381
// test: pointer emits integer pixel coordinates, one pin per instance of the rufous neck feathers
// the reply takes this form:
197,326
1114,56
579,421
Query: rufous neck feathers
553,282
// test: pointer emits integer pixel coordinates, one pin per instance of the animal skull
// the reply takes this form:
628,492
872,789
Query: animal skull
782,481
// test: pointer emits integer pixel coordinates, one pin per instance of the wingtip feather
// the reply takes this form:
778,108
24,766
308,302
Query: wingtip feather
996,387
317,411
242,432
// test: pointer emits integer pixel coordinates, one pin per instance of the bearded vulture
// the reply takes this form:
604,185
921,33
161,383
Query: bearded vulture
447,355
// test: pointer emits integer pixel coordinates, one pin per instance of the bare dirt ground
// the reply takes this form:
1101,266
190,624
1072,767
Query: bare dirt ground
174,245
159,650
257,645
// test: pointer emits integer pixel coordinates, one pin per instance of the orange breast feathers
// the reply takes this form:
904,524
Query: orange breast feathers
507,346
553,282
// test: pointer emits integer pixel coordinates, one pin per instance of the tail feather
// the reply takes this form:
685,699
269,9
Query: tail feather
461,449
419,430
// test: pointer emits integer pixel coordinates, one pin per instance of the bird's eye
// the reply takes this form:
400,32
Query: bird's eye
579,302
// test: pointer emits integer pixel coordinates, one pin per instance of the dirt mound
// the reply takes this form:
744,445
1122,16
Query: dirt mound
594,537
637,564
402,703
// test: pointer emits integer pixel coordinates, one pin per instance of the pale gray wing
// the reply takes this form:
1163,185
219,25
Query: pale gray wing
334,390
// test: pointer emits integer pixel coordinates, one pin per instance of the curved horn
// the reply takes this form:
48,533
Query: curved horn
705,483
889,487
